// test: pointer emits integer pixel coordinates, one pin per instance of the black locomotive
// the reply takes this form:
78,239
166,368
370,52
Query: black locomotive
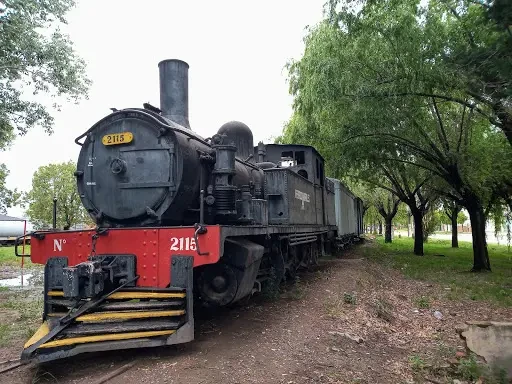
179,217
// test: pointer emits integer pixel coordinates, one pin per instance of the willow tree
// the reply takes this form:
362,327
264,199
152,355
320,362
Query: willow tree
372,90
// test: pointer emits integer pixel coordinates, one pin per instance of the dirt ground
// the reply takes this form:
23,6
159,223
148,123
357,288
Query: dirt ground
348,321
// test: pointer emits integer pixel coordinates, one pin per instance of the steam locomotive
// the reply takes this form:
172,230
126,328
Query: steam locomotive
180,219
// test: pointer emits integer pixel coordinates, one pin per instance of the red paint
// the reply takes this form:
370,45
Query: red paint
23,248
152,246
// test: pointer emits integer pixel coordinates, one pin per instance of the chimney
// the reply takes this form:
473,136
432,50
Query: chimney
174,91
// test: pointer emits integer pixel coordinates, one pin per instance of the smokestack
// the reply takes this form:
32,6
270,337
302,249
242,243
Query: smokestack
174,91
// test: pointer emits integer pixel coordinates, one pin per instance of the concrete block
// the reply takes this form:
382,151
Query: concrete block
491,340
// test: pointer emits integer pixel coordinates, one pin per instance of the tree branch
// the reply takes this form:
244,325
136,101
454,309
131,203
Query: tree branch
395,207
442,138
418,187
401,173
457,100
436,172
448,194
440,156
406,142
382,186
401,193
461,129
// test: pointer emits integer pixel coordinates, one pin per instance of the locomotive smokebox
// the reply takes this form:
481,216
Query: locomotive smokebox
174,91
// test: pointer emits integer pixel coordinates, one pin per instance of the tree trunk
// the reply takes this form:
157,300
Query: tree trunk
455,238
418,232
506,121
387,236
380,227
480,254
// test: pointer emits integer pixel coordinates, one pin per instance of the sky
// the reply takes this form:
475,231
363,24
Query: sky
236,50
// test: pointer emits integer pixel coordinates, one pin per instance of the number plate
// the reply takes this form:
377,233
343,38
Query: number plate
183,244
117,138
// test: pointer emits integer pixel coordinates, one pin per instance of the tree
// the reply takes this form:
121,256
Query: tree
452,210
55,180
431,222
373,220
35,56
408,184
402,217
466,45
8,198
387,206
384,204
501,215
374,87
478,36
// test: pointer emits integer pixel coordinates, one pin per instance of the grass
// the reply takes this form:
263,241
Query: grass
469,368
451,269
334,307
7,256
20,315
416,362
422,302
20,310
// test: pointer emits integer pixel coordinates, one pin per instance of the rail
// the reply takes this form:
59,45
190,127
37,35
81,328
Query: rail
9,365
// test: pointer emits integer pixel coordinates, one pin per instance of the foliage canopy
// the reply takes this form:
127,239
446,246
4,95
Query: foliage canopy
391,89
35,57
55,180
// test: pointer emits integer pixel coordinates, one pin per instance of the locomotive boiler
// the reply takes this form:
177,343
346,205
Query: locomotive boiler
145,166
180,219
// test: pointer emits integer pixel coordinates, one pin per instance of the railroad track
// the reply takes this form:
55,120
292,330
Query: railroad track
8,365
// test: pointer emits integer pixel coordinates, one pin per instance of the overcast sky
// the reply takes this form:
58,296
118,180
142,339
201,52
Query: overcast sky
236,50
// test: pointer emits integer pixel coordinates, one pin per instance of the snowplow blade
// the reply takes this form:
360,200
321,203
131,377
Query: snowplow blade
125,319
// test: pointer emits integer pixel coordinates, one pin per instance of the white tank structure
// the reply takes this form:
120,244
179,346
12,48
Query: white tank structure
11,228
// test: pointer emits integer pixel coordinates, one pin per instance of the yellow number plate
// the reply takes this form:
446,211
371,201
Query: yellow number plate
117,138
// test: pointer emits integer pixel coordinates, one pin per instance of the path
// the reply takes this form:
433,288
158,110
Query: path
350,321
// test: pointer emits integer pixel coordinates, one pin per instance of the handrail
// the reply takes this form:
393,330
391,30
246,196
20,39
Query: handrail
17,242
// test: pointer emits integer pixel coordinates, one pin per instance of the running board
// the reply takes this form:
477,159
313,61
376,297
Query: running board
128,318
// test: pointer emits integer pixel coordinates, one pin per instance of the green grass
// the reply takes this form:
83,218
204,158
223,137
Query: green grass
7,256
451,269
20,316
